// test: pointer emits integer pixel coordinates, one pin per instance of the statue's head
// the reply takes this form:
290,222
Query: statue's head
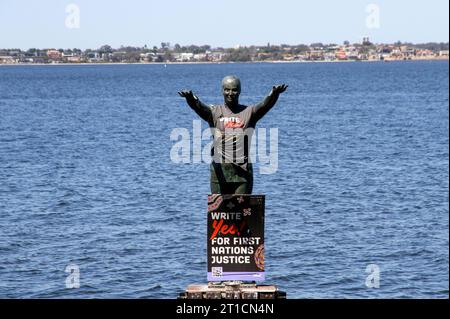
231,89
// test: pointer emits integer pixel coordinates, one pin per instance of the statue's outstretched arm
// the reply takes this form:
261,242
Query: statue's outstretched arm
203,110
269,101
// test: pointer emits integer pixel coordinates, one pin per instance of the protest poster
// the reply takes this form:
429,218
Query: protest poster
236,237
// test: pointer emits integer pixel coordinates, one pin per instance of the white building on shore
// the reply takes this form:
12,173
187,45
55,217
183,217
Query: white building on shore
5,59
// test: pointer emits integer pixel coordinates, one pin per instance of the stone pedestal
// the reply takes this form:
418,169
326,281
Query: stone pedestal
232,290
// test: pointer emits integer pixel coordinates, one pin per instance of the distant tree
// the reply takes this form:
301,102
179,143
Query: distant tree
116,58
105,49
346,43
238,55
132,57
270,50
168,57
192,49
205,48
432,46
301,48
130,49
364,49
317,45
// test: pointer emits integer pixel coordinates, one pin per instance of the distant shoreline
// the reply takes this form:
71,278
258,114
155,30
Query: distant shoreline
190,63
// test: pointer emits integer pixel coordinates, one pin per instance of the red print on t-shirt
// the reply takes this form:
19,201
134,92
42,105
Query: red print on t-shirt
233,122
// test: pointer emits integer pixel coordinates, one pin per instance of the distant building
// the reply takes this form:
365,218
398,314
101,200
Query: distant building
186,57
54,54
329,56
341,55
14,53
289,57
7,60
73,59
200,57
218,56
149,57
316,54
424,53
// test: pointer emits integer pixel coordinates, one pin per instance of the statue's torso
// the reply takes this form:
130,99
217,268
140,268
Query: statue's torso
232,133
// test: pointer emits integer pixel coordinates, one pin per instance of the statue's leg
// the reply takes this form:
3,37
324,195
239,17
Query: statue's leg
218,181
215,188
244,188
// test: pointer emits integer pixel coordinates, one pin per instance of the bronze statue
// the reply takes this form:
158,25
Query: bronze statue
231,171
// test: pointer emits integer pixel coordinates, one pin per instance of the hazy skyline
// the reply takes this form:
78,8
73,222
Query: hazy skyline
56,24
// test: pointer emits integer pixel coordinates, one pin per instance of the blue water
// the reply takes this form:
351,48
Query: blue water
86,179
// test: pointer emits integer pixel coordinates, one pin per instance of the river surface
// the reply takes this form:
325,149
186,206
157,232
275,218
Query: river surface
87,180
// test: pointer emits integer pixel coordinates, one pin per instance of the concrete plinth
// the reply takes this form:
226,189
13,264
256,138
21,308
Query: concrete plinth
232,290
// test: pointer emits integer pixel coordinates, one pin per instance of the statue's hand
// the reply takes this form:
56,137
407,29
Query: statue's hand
188,95
278,89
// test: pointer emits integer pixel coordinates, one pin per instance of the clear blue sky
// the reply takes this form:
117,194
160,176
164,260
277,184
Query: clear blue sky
41,23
